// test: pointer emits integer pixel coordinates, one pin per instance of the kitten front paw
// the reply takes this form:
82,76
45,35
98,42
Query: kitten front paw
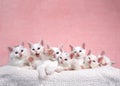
58,70
43,77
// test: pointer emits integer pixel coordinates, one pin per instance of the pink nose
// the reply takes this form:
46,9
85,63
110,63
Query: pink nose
89,62
77,54
20,54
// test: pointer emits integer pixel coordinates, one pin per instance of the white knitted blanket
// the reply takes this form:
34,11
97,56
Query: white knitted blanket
104,76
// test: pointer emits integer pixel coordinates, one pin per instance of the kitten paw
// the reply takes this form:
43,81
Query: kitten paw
58,70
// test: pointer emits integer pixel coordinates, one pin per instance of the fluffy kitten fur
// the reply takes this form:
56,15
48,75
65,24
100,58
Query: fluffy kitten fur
104,60
64,62
91,61
18,55
77,55
36,54
49,66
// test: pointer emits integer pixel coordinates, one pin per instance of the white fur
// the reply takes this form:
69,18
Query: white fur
78,58
49,66
16,59
91,61
105,60
37,53
64,62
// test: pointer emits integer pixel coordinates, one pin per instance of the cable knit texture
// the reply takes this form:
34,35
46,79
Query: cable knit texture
104,76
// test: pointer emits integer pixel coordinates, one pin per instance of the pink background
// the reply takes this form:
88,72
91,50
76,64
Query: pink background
95,22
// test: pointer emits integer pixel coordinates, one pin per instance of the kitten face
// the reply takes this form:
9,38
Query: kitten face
54,53
92,60
36,49
103,59
78,52
19,52
64,59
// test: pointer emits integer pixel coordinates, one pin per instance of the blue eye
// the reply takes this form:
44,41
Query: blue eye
57,52
38,48
21,50
75,52
16,52
66,59
80,50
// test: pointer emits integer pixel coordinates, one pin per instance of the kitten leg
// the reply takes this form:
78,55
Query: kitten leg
41,72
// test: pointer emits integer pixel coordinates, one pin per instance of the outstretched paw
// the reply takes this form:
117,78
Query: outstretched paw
58,70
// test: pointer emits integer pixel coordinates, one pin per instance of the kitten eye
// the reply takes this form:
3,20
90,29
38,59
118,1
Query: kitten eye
60,57
16,52
80,50
33,49
88,57
75,52
38,48
57,52
66,59
21,50
94,61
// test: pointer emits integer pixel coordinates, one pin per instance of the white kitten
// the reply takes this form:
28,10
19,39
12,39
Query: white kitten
64,62
104,60
37,54
91,61
49,66
77,55
18,55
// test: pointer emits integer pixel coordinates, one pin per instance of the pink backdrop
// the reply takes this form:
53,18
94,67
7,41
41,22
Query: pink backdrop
95,22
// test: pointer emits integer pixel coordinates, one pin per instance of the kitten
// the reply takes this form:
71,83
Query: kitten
104,60
91,61
77,55
18,55
36,54
64,62
48,67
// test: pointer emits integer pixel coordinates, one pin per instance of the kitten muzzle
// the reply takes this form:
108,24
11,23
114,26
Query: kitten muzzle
37,55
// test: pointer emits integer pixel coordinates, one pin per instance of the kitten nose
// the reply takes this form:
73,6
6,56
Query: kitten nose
89,62
20,54
77,54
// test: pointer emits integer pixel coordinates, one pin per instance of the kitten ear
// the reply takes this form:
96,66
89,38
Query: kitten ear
42,42
30,44
48,47
61,48
22,43
71,47
10,49
100,59
102,53
71,55
83,45
89,52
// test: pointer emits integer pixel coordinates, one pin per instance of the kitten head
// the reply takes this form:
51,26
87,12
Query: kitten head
36,49
77,52
103,59
91,60
53,52
18,51
64,58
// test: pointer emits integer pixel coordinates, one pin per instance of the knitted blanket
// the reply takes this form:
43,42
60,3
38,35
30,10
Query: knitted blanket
104,76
